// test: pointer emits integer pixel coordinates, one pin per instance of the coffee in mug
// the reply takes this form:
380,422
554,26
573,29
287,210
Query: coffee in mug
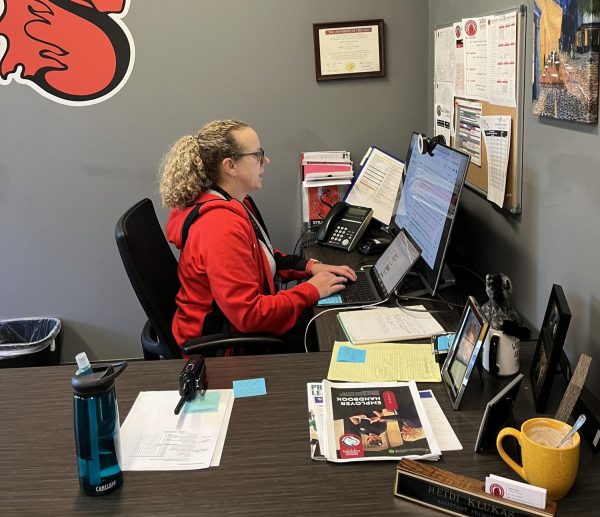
544,464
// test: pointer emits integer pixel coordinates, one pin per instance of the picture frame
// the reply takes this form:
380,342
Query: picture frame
463,354
349,50
549,347
498,414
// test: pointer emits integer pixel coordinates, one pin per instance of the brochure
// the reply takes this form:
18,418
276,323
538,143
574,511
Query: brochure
375,421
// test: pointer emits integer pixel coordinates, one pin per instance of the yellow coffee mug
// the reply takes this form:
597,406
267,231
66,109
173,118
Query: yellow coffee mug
546,466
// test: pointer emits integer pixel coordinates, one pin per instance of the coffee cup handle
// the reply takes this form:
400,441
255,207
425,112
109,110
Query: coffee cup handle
509,431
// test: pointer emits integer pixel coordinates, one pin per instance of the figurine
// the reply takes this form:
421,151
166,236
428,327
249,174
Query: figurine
499,310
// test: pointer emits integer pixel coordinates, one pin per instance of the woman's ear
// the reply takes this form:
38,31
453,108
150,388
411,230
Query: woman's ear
228,167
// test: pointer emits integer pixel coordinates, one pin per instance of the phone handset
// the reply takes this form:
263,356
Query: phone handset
334,215
344,226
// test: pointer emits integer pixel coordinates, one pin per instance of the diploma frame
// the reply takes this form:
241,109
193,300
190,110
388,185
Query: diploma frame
322,76
549,347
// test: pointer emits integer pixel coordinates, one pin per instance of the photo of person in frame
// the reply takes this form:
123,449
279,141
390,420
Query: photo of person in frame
465,345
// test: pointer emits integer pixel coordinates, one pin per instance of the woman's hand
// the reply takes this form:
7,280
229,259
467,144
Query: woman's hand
327,283
344,271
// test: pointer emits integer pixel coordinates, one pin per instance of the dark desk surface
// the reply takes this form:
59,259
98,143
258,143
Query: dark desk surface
448,315
265,467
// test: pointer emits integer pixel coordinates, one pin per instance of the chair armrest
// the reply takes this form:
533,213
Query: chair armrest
228,340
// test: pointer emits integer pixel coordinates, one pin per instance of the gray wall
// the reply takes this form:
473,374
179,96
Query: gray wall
555,238
67,173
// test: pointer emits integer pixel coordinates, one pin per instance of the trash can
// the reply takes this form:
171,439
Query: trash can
29,342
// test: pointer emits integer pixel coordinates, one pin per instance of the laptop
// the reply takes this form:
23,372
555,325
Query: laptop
379,282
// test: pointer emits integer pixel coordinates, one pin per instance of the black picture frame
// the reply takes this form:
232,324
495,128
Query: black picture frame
464,352
549,347
498,414
323,75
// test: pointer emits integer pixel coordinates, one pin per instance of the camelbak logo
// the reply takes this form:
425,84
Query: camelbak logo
76,52
103,488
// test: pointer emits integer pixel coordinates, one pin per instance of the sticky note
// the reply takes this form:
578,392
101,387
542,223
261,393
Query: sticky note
207,403
351,355
249,388
334,299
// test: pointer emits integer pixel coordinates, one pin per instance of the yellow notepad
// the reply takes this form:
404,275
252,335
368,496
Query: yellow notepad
386,362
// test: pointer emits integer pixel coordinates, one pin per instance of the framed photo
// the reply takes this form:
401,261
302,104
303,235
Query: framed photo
549,347
498,414
459,363
349,50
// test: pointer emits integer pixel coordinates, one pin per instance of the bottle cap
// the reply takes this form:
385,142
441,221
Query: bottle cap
100,381
83,363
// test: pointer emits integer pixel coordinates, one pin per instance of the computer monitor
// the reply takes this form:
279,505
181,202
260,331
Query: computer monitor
433,182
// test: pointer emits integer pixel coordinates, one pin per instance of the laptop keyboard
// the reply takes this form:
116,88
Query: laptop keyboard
359,291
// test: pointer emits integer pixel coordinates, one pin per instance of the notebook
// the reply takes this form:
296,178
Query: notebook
380,281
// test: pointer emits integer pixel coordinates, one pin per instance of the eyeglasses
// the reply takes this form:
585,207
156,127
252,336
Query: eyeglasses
260,155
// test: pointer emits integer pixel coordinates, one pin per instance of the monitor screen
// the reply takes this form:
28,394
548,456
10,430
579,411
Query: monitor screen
428,202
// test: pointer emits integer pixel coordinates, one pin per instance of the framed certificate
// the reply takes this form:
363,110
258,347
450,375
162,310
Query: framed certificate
349,50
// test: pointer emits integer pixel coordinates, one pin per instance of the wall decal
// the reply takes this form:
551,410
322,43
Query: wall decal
75,52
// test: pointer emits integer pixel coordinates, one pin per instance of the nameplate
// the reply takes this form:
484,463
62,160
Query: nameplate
456,494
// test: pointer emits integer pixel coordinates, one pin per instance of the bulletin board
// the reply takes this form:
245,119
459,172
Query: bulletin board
477,176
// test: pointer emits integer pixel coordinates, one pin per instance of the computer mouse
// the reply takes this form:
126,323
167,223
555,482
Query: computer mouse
373,246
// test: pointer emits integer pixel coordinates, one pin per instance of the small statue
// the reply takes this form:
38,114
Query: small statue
499,310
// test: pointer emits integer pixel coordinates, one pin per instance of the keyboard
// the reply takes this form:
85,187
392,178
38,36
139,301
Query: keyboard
359,291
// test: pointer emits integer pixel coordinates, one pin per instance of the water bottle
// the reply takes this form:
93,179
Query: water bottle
96,418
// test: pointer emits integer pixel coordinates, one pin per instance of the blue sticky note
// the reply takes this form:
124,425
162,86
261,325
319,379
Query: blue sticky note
426,394
444,342
207,403
351,355
249,388
334,299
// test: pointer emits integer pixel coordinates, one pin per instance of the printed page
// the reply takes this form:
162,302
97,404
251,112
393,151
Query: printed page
385,362
443,106
444,55
442,430
378,184
496,135
154,438
476,58
468,130
502,59
316,419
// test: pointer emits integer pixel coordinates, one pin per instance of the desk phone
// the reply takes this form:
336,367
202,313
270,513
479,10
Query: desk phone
344,226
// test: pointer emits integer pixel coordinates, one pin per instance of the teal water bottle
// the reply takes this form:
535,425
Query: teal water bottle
96,419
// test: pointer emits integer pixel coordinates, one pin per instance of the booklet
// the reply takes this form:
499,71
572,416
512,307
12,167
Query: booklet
375,421
316,410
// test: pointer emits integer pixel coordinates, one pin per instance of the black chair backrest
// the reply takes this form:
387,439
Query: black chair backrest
151,268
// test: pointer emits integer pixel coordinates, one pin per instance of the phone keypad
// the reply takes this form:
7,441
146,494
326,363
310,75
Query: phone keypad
342,236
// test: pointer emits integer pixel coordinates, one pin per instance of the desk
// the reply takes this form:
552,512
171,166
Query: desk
265,468
328,327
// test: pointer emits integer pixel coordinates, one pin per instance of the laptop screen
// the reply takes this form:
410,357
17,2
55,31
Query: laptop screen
395,262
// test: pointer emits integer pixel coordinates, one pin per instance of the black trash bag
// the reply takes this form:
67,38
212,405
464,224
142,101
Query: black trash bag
29,342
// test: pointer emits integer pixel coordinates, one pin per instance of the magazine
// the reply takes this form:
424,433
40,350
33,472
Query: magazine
375,421
316,410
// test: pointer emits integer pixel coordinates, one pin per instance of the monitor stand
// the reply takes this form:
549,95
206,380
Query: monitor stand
417,284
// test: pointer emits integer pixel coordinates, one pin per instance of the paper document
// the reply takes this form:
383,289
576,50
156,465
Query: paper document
442,430
377,184
502,59
476,58
496,135
154,438
388,324
443,106
468,130
386,362
444,54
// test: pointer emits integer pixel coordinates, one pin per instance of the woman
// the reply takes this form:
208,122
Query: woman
227,264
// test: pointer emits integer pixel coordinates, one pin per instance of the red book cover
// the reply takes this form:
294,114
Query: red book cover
320,201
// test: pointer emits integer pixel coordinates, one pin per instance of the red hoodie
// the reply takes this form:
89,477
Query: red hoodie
223,262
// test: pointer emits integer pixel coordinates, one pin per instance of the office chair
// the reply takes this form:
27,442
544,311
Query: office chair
152,271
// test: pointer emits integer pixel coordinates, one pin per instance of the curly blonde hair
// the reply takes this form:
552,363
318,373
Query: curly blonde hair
192,164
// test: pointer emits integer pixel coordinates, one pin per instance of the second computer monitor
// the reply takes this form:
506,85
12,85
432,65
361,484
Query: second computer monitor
432,186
